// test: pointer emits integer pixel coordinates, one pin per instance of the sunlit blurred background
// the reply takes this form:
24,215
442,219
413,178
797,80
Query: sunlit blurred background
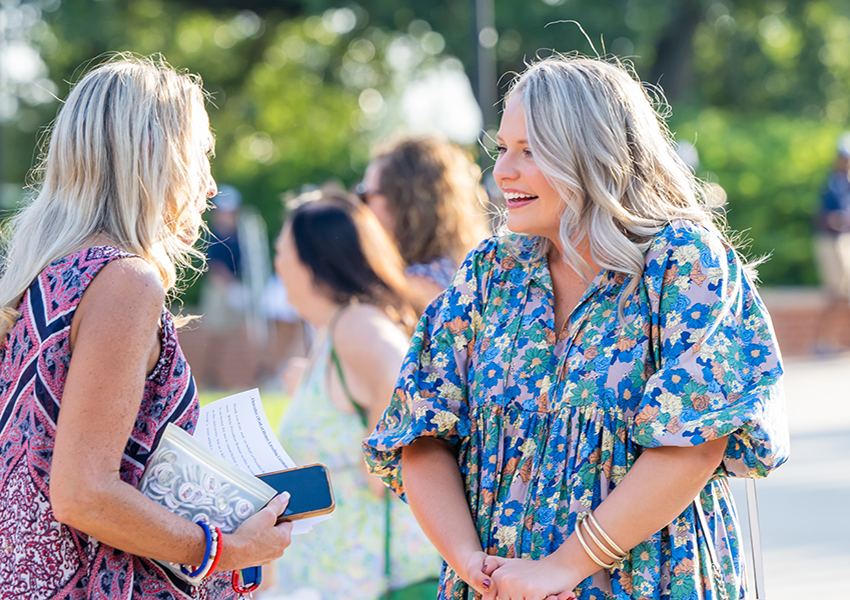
301,87
300,90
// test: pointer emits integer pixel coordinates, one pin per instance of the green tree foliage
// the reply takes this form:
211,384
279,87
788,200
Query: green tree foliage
772,170
301,88
767,57
292,100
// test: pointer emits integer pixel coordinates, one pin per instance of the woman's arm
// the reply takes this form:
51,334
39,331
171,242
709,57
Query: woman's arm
114,344
437,497
658,487
371,349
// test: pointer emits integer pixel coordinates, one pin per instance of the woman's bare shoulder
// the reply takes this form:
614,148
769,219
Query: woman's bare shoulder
371,348
359,322
120,310
125,284
364,331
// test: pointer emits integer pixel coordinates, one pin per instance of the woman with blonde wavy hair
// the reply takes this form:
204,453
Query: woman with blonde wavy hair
427,194
571,407
91,369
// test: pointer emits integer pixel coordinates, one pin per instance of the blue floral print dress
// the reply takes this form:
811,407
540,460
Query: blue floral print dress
547,426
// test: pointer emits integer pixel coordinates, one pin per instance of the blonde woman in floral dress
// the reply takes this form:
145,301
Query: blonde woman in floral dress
580,394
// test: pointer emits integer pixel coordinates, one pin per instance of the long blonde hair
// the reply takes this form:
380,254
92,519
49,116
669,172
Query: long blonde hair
123,162
600,143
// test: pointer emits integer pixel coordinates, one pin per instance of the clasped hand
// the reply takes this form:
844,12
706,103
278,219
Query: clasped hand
519,579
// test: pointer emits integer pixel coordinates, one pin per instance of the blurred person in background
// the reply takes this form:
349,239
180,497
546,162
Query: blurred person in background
427,194
223,296
92,371
224,255
345,278
832,252
572,406
289,336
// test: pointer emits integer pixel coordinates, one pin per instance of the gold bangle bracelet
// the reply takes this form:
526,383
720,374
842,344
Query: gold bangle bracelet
589,530
610,568
605,536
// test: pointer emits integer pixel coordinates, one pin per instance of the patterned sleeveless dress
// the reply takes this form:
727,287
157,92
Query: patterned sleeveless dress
41,558
344,557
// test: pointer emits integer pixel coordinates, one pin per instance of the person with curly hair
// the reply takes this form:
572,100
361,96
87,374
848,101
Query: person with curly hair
427,194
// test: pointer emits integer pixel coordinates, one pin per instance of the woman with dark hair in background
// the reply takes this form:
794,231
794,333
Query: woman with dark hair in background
427,195
345,277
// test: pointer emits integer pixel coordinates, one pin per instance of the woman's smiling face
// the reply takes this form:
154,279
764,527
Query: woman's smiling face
534,206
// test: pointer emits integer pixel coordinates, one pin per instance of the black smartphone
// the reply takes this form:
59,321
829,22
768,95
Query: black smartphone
310,491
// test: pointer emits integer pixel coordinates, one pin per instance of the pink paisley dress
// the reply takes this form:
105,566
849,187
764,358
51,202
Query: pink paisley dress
41,558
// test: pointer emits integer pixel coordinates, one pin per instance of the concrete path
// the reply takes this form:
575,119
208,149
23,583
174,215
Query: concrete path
805,505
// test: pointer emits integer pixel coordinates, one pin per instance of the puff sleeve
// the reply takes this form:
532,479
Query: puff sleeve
719,371
431,396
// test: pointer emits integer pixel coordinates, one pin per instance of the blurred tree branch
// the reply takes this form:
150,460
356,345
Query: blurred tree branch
674,50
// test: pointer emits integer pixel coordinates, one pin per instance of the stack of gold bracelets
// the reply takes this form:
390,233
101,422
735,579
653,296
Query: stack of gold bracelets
612,550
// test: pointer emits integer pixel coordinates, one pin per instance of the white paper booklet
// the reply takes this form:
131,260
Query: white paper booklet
237,429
